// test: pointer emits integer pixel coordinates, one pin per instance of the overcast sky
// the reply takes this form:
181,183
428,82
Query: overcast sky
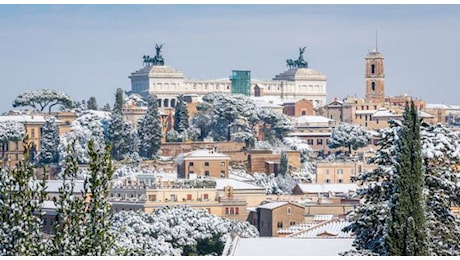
90,50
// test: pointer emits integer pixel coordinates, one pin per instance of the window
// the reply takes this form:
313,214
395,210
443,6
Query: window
206,173
205,196
289,210
173,197
222,173
237,211
340,181
373,68
292,223
190,164
222,164
319,141
310,141
189,196
327,171
206,163
280,224
373,86
339,171
227,211
232,211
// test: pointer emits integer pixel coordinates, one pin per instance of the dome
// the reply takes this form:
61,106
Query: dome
300,74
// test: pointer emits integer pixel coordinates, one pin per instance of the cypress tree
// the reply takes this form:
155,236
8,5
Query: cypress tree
283,164
118,137
150,130
181,117
92,103
49,142
406,223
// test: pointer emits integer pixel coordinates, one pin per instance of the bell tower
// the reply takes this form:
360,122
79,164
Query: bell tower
374,77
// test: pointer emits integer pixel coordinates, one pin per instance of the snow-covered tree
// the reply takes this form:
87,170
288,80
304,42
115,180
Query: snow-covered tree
307,171
70,209
92,103
224,116
150,130
89,124
274,125
49,142
177,230
42,98
21,199
118,136
85,223
369,218
406,223
349,136
440,153
10,131
181,118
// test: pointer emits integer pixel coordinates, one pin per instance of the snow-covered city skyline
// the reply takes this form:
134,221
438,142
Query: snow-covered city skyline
90,50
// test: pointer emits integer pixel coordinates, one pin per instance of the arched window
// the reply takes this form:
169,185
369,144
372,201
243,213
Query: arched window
373,68
166,102
373,86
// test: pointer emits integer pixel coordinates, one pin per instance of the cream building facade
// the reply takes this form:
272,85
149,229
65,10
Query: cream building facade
167,83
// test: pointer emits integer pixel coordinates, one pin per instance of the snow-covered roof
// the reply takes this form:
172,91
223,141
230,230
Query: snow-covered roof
296,228
237,185
325,134
273,205
265,104
384,113
54,185
277,246
318,218
425,114
205,153
26,119
48,204
365,112
443,106
332,228
312,119
275,100
327,187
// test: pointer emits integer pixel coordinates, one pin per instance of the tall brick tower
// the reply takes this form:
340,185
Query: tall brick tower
374,77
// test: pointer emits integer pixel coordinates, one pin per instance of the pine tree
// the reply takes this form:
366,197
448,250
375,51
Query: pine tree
283,164
406,222
21,199
150,130
181,117
49,143
350,136
92,103
118,136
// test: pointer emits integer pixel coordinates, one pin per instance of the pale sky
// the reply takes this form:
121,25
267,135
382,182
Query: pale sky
90,50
